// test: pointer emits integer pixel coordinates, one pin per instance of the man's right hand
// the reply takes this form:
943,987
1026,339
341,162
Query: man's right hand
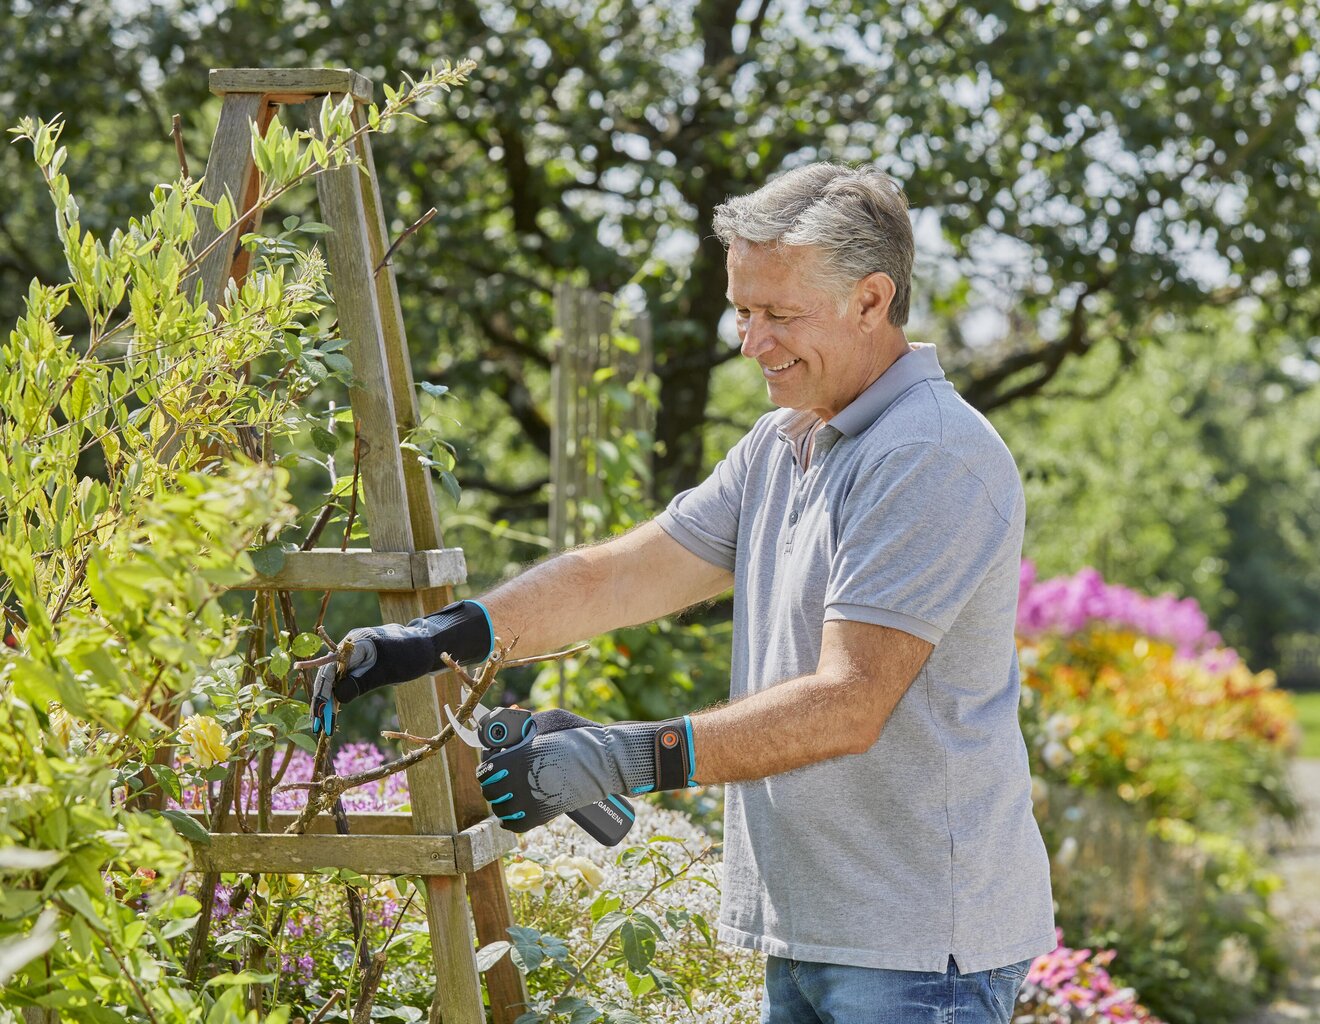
392,653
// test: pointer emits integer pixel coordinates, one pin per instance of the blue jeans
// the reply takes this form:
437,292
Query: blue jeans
797,992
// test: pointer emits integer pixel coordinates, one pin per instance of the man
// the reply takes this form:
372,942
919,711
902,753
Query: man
880,846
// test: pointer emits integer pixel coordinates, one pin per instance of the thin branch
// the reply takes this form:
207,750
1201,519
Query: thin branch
323,791
693,860
567,652
336,995
418,223
177,132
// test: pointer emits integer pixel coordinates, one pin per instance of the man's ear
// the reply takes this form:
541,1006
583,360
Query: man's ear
876,294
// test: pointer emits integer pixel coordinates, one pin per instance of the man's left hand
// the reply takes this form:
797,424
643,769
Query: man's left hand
571,762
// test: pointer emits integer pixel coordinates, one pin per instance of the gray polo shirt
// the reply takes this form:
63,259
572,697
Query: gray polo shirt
909,515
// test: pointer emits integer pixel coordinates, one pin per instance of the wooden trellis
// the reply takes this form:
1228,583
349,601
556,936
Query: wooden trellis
449,837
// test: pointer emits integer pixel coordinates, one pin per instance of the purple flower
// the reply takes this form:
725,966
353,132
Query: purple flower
1069,604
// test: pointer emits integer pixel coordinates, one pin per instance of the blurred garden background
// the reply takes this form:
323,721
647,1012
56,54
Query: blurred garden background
1115,205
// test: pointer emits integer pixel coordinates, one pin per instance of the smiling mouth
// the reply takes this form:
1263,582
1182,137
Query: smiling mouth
782,367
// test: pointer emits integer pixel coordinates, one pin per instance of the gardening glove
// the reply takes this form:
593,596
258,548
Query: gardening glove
390,654
569,762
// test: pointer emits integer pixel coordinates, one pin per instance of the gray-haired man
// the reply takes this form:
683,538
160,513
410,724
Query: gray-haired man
879,840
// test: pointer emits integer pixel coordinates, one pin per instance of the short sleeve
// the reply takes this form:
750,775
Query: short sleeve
918,532
704,519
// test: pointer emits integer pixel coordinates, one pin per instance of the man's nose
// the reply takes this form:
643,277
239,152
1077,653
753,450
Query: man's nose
756,338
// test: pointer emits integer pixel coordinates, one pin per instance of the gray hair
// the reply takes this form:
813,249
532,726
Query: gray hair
856,216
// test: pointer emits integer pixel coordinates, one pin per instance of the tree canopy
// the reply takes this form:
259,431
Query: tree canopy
1081,166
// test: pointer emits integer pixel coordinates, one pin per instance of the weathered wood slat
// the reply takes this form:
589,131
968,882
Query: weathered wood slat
366,823
272,853
276,853
349,254
486,887
229,168
360,569
290,85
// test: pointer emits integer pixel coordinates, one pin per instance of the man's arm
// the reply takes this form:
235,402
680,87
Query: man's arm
841,708
627,580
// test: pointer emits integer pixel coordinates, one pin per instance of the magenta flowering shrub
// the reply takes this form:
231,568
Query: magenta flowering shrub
1071,985
1069,604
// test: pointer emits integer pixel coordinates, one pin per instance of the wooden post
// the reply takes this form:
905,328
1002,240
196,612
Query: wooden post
405,538
585,323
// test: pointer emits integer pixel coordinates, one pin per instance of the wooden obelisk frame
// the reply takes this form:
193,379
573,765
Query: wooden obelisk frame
454,842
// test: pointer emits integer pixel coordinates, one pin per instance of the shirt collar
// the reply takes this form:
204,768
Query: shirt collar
919,363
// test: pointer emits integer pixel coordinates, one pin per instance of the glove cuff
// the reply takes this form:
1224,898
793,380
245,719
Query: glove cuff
396,654
462,630
657,755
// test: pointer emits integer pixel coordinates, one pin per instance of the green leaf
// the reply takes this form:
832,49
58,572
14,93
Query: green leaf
291,222
223,213
306,644
187,827
526,954
579,1011
638,941
324,440
280,663
608,924
241,978
168,779
438,390
489,955
603,904
638,984
337,363
450,483
268,559
23,858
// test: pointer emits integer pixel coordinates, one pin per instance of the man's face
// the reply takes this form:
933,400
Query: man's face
811,355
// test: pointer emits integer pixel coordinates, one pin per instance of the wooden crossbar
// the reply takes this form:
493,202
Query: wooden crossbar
276,853
356,569
290,85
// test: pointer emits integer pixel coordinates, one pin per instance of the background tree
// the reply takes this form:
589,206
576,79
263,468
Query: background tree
1192,471
1073,155
1078,170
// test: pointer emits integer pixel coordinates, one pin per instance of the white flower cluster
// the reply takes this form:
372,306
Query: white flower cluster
561,855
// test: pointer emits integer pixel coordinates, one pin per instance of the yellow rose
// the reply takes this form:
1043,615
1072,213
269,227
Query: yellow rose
564,867
206,740
526,876
591,874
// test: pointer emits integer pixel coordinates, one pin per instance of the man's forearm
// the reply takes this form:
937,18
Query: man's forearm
839,709
627,580
553,604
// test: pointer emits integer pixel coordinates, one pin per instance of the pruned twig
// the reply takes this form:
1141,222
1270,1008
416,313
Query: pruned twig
418,223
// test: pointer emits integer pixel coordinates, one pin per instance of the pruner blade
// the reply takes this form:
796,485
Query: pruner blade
467,734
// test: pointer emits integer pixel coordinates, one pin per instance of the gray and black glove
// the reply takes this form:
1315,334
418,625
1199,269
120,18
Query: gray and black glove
569,762
390,654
